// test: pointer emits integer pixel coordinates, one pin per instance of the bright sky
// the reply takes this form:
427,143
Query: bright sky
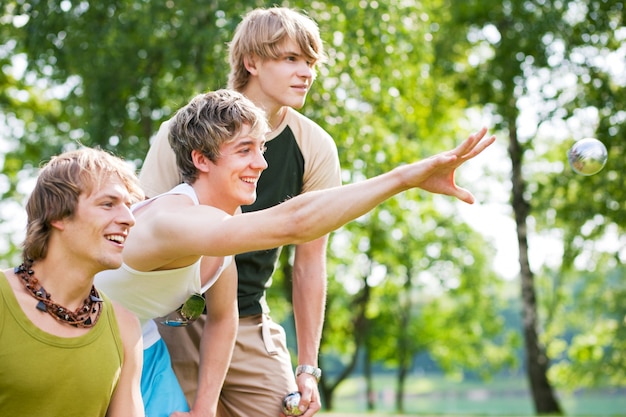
487,177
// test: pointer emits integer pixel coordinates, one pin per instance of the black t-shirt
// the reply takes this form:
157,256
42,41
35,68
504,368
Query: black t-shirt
280,181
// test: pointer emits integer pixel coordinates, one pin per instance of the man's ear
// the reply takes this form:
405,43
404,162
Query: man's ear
200,161
249,61
58,224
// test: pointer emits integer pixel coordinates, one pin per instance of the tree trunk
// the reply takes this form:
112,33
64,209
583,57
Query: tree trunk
361,325
536,360
369,390
402,374
404,350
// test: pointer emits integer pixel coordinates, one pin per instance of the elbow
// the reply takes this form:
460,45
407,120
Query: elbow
300,228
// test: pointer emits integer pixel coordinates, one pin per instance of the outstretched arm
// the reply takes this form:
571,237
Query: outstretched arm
204,230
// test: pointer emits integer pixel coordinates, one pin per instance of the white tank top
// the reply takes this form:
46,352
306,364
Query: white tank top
154,294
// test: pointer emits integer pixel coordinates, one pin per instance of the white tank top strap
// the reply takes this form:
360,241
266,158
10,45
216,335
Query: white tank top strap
183,188
227,261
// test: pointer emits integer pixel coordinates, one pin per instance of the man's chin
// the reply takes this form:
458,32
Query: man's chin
112,264
297,103
250,201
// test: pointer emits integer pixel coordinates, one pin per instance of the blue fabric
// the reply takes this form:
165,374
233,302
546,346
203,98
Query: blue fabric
161,392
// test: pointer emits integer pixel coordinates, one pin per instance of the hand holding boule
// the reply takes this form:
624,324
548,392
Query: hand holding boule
290,404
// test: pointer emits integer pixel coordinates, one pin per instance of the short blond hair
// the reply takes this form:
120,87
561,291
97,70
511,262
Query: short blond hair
262,32
208,121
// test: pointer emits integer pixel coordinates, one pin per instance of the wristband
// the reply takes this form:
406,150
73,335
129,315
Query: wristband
308,369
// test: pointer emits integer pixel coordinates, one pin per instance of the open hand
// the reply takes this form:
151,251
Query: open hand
436,174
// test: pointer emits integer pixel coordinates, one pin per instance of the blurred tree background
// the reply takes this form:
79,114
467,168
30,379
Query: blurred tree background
405,79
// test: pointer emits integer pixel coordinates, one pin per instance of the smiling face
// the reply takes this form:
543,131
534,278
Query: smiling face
96,232
236,172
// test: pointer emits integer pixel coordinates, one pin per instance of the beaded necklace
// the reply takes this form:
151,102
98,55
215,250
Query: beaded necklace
85,316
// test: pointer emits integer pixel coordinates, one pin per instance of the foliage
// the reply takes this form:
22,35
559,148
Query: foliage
552,62
400,77
103,74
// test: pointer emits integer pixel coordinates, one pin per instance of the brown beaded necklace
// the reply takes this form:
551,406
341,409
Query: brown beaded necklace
85,316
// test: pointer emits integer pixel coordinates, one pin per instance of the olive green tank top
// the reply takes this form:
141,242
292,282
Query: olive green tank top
46,375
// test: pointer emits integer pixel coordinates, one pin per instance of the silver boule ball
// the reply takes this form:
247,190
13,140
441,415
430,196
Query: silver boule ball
290,404
587,156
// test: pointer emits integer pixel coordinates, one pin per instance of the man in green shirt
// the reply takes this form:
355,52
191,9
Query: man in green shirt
65,349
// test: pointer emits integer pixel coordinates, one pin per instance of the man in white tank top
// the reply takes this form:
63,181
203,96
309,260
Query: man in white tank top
181,238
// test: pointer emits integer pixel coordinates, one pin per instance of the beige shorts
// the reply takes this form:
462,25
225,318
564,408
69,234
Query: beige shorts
260,374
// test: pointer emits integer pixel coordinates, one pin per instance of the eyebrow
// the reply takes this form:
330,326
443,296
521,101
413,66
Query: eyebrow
244,142
107,195
290,52
299,55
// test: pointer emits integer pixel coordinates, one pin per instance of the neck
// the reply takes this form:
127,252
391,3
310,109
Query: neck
212,199
84,315
69,285
277,118
274,111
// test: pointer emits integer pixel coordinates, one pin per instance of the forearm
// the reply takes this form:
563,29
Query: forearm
216,348
309,317
320,212
317,213
309,298
217,342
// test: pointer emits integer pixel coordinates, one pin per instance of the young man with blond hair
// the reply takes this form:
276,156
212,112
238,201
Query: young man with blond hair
65,348
274,56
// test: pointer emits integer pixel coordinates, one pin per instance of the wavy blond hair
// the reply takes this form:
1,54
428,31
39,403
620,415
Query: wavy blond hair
208,121
262,33
59,185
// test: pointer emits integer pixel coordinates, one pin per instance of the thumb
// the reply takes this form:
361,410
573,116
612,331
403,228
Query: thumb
464,195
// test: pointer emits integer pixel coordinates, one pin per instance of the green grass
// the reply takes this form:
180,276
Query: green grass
438,397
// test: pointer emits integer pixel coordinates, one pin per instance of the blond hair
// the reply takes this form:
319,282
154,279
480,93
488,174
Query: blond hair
208,121
262,33
59,185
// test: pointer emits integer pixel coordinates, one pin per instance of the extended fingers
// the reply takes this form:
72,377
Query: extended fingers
473,145
464,195
470,143
479,147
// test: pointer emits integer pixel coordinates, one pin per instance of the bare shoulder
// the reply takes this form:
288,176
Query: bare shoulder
128,323
168,208
8,274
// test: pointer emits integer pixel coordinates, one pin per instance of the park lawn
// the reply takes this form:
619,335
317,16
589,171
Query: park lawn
437,396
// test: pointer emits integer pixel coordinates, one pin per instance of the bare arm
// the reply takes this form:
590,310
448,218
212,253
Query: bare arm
217,343
309,300
126,400
200,230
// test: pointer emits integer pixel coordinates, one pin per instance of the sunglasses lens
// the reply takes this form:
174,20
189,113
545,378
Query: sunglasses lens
193,307
187,313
